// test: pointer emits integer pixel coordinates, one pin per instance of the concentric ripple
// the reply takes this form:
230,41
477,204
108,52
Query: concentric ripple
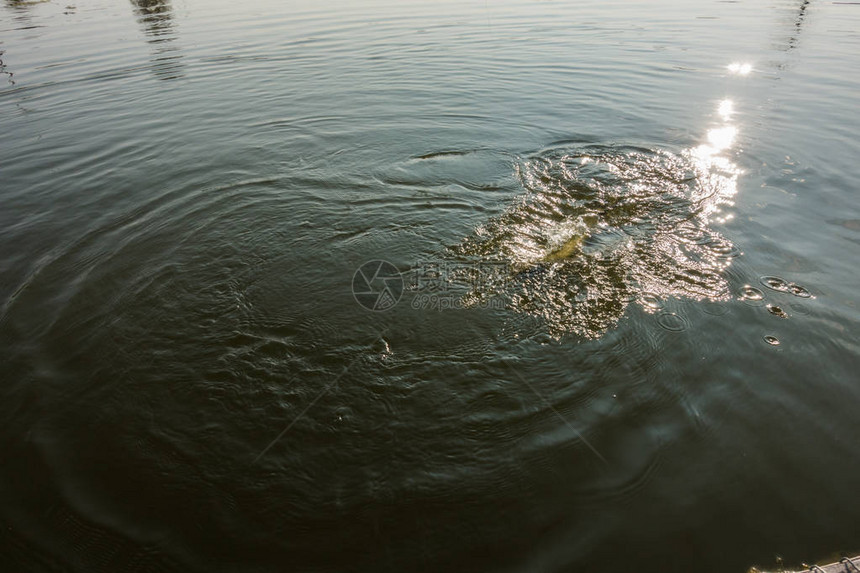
602,226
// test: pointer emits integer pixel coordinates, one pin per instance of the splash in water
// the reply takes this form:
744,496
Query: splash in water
600,227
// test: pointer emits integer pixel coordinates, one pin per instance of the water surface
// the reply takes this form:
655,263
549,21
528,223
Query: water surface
628,327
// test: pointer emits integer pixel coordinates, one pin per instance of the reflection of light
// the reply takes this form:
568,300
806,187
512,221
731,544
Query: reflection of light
726,109
719,139
717,174
722,137
740,68
606,226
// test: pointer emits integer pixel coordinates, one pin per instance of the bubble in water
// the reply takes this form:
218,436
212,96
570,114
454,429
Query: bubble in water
751,293
776,311
671,321
778,284
772,340
751,296
798,290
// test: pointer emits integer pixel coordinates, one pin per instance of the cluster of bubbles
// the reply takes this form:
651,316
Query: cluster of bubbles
755,297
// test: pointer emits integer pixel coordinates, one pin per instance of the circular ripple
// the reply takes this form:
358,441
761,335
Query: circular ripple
778,284
772,340
672,322
776,311
798,290
751,295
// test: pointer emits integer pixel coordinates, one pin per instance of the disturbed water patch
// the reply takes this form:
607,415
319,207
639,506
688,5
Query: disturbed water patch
601,226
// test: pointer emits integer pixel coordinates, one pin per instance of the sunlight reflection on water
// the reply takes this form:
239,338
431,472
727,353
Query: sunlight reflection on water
602,226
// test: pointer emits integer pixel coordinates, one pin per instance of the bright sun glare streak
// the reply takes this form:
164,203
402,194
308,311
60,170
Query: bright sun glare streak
740,68
726,109
718,171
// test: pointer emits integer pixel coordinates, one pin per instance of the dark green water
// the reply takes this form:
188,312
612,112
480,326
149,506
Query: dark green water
600,211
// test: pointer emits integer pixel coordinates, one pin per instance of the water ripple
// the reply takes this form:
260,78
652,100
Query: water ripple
600,226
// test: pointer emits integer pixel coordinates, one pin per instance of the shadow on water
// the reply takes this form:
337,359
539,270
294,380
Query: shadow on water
156,19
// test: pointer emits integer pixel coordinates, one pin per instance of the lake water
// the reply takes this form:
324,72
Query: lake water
522,286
